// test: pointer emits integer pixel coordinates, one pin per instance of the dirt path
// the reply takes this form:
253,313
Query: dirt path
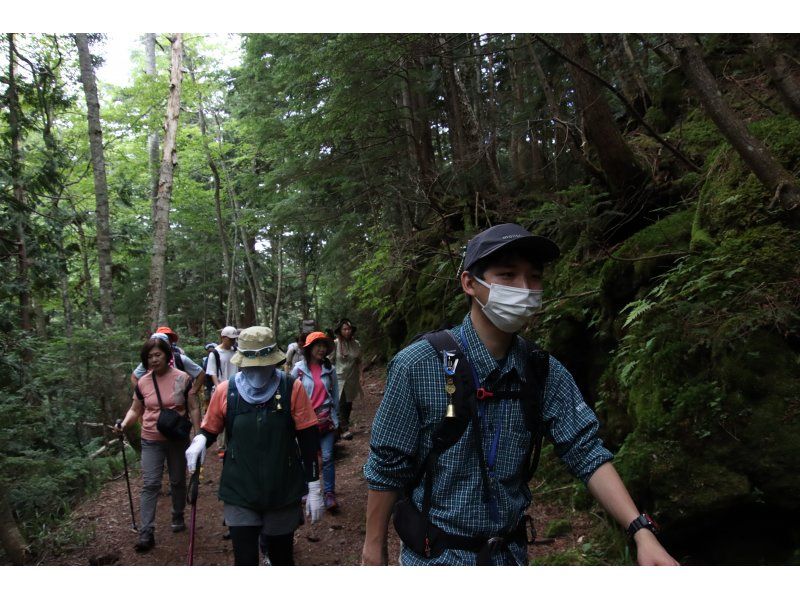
334,540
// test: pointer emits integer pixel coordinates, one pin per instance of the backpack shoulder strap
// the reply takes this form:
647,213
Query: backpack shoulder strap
232,407
219,365
450,429
138,391
178,361
537,368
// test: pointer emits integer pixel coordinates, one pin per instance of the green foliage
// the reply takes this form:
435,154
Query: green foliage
558,527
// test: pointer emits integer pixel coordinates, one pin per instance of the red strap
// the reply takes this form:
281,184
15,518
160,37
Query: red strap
483,394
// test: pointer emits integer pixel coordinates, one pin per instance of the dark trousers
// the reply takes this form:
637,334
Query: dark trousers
245,540
345,409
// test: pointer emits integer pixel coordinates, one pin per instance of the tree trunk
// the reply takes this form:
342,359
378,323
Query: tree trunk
212,165
257,296
303,274
152,138
168,163
15,133
563,134
87,277
612,45
636,72
10,537
785,81
100,185
490,148
277,254
754,153
453,107
417,125
517,142
470,150
619,165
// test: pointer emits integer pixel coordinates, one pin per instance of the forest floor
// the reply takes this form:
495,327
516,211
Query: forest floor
104,520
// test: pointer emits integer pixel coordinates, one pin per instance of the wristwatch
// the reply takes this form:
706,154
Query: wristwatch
642,521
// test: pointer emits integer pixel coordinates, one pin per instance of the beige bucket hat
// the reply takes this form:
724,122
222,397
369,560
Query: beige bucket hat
257,347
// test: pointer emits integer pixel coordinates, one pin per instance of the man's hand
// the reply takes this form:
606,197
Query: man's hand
649,550
375,554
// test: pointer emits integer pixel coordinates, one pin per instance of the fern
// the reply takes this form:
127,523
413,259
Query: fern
637,309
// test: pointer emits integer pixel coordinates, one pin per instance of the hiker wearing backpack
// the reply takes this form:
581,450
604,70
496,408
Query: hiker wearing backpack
178,360
458,432
220,368
294,352
209,382
272,457
318,376
168,412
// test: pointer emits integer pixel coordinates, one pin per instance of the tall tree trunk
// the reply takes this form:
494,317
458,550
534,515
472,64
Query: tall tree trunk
277,255
91,305
416,124
754,153
168,163
100,185
64,285
490,148
564,136
517,141
257,296
623,73
212,165
152,138
15,132
619,165
10,537
470,150
453,107
303,274
636,72
785,81
232,311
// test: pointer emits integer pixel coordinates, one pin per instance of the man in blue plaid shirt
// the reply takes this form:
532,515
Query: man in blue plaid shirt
502,278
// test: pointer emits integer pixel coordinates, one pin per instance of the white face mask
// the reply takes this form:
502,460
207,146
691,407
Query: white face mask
509,308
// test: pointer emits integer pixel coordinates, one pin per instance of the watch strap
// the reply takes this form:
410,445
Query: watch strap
642,521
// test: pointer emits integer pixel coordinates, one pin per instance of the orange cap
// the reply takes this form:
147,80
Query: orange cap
173,336
317,336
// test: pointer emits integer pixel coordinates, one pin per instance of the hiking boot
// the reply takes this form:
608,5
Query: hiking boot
177,524
145,543
330,502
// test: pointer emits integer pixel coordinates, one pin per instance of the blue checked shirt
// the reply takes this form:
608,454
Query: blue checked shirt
415,401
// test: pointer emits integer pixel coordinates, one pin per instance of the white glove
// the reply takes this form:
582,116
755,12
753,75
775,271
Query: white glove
314,505
196,449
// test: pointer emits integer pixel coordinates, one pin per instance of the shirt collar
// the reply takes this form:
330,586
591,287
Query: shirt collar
482,360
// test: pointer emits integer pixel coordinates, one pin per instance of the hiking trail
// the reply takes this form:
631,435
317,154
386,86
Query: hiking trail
104,520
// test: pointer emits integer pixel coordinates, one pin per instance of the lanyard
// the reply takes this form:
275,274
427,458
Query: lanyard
492,458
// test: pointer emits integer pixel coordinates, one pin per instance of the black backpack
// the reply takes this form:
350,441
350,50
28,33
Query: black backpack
176,354
465,410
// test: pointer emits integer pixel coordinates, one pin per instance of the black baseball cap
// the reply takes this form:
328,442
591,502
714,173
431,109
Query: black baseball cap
503,236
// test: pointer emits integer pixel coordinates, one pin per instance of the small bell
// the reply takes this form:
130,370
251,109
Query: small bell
451,411
278,403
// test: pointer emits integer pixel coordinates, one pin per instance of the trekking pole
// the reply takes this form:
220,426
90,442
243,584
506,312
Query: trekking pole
127,480
191,498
